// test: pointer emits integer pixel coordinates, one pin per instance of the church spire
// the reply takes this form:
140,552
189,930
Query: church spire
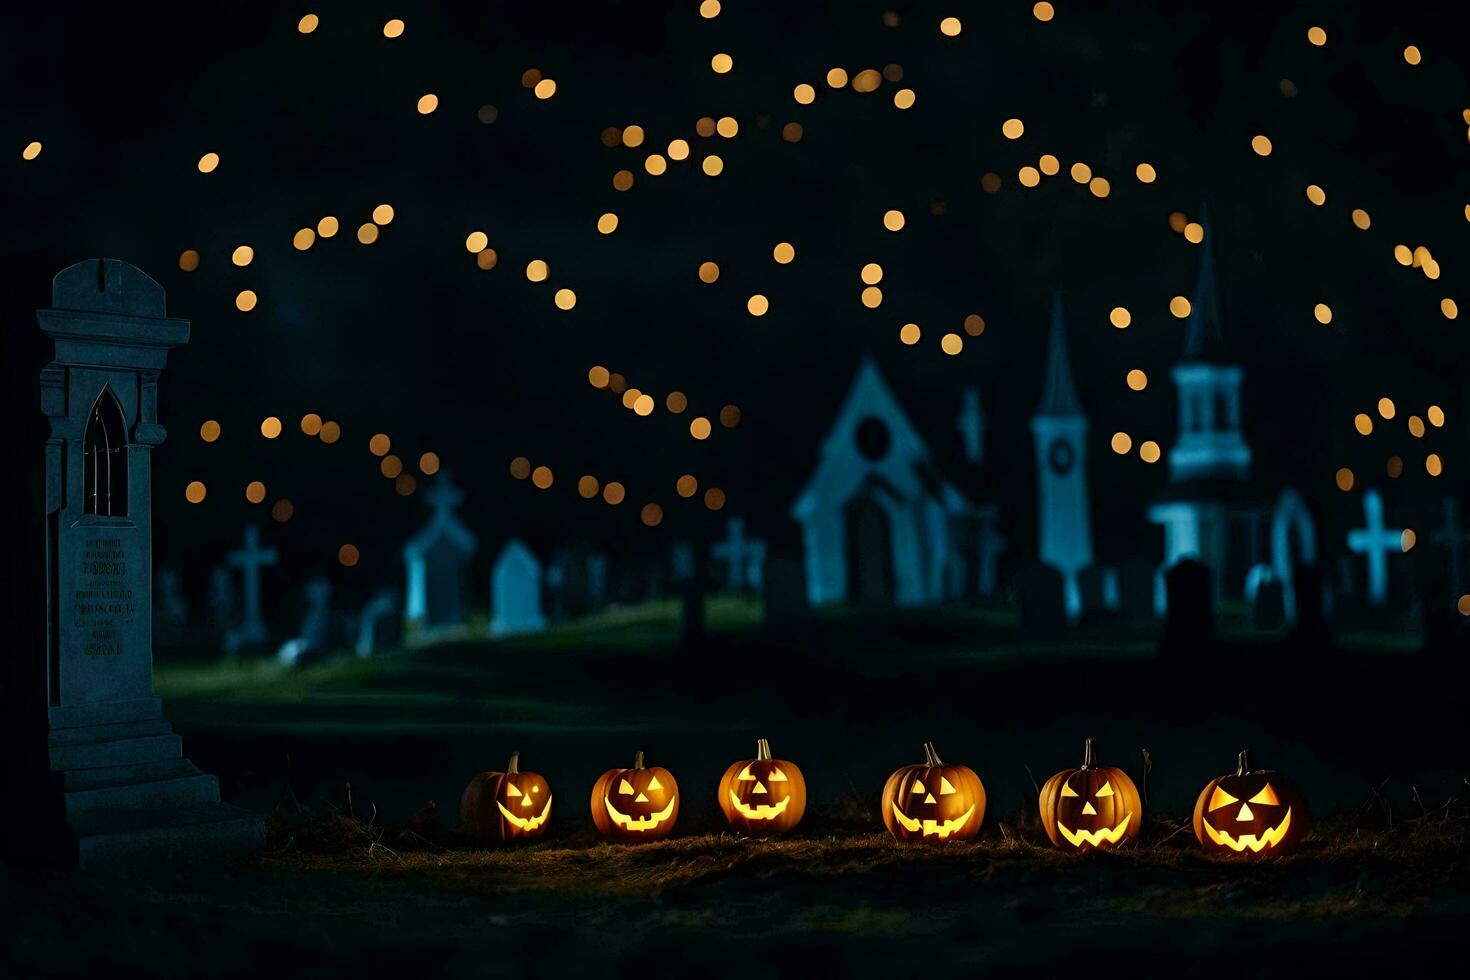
1203,336
1059,397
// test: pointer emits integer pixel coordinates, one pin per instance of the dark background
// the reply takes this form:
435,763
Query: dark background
408,337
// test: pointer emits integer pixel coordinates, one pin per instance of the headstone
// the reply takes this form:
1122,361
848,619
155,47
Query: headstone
223,605
1041,595
743,558
1375,542
171,610
379,624
1291,524
436,563
784,588
250,558
1310,594
1136,588
1093,587
515,592
124,786
315,636
1189,623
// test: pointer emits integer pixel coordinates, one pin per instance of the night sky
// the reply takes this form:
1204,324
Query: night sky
408,337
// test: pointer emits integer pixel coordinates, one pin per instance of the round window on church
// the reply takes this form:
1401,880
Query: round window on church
873,438
1060,457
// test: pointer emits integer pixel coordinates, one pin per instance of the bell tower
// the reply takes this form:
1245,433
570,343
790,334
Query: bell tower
1060,430
1210,445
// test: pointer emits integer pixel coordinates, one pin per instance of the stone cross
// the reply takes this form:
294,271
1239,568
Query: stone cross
444,496
250,558
743,557
1376,542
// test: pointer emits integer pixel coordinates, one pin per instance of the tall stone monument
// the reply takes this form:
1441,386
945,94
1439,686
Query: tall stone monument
118,779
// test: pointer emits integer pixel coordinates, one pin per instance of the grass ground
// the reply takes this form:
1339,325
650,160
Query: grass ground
1374,742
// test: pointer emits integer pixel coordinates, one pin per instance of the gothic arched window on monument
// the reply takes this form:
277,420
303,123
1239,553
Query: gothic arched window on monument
105,459
1224,415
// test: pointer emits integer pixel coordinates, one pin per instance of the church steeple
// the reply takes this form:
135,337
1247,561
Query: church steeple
1064,524
1059,394
1204,338
1210,445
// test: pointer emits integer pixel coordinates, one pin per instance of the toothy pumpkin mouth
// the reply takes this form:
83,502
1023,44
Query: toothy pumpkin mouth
638,823
525,823
931,827
1250,842
761,811
1095,837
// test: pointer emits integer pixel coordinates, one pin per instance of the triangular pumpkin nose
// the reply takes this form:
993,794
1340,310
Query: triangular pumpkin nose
929,798
760,787
640,798
1245,813
525,801
1089,810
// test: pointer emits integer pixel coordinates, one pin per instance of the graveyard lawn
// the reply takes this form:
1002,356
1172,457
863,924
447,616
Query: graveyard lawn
335,896
393,739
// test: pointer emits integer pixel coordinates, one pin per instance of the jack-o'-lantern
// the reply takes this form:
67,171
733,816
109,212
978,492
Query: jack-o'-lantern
763,795
1250,812
933,801
1091,808
635,804
506,805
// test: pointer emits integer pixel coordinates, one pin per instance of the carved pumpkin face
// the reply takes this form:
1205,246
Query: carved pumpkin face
635,804
1252,813
506,805
1091,808
933,801
763,795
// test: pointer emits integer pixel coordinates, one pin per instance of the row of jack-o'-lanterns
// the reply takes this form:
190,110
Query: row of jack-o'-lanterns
1092,807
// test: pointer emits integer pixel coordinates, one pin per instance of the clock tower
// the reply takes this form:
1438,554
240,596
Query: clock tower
1060,430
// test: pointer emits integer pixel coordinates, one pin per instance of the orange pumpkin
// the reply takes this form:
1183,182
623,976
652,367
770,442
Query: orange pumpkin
506,805
933,801
636,804
1092,807
1250,812
763,795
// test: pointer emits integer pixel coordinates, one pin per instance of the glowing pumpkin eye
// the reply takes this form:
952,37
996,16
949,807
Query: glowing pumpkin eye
1221,798
1068,790
535,789
654,784
1107,790
1267,795
625,787
745,774
510,790
777,776
944,787
918,786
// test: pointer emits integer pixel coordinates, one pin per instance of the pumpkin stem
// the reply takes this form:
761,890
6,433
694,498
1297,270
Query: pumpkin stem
931,757
1089,755
762,750
638,760
1243,762
514,765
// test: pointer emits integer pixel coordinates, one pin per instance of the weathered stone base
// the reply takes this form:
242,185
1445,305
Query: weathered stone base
128,791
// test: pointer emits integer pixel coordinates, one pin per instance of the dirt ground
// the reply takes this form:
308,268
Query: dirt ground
1371,736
